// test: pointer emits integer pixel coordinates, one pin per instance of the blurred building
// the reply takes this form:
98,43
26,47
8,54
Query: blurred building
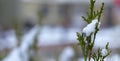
57,10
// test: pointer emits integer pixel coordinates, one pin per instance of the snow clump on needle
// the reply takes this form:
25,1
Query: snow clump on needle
104,52
90,28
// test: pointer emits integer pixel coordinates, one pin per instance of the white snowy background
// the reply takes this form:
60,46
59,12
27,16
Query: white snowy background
53,37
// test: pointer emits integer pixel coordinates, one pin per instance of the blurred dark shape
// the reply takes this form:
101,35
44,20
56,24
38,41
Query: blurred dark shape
28,25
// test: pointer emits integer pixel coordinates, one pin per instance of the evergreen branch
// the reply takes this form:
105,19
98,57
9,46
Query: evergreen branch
86,42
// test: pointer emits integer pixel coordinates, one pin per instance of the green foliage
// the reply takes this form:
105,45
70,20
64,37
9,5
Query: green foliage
99,55
93,14
87,42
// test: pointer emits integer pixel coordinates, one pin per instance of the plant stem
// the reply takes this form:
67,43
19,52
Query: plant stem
90,53
85,58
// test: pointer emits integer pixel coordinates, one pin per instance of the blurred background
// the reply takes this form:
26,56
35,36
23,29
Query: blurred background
45,30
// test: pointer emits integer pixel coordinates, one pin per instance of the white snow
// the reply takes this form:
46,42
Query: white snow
105,35
114,57
9,40
110,35
50,36
90,27
67,54
11,37
57,35
21,53
104,52
82,59
71,35
13,56
28,39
